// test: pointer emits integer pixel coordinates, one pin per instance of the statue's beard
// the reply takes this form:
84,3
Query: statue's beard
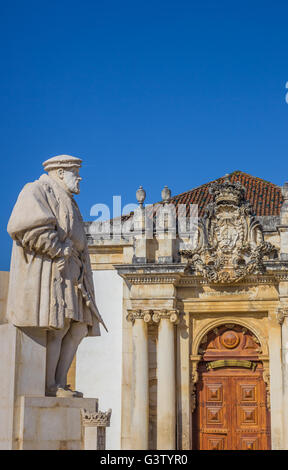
72,182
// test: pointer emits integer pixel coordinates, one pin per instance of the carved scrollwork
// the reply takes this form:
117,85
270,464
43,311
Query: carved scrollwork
134,315
282,312
230,241
193,383
172,315
98,418
266,378
153,316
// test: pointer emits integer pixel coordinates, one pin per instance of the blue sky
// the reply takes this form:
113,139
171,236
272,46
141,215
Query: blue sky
152,93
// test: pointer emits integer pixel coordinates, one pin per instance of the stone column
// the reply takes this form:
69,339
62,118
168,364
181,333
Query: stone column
166,383
283,309
140,380
283,320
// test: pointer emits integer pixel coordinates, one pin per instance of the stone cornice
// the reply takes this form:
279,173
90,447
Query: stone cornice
150,268
249,280
174,273
152,279
154,273
180,281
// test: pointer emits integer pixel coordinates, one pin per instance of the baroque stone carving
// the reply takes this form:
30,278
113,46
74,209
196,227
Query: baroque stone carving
266,378
282,312
193,384
134,315
230,339
230,240
172,315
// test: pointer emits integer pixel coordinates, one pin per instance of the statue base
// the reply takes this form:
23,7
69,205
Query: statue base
29,419
48,423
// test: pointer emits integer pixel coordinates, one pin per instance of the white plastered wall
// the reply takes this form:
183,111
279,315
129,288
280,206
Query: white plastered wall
99,359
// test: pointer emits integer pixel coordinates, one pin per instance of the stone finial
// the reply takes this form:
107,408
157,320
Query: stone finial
166,194
140,196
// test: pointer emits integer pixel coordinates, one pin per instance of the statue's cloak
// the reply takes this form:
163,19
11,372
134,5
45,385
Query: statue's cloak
44,221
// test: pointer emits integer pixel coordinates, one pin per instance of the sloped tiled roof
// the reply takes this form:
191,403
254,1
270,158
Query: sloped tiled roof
264,197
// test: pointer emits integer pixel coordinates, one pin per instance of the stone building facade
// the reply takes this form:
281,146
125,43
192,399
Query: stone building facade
197,351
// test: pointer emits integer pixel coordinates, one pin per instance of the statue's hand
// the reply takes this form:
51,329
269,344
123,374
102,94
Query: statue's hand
67,248
61,264
66,253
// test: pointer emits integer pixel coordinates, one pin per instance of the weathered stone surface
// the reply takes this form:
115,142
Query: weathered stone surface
4,283
23,357
49,423
50,309
51,285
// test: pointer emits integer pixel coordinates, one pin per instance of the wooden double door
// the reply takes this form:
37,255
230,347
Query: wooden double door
231,411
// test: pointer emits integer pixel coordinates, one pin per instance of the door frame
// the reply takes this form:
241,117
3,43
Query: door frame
196,357
230,375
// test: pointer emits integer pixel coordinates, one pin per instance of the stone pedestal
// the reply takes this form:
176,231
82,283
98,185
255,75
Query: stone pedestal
22,373
28,419
48,423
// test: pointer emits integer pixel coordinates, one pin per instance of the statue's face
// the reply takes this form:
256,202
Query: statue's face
72,180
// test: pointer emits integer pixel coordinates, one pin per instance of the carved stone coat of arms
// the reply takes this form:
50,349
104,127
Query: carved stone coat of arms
230,239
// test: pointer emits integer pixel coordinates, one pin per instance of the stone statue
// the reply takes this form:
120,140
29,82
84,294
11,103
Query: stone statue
51,283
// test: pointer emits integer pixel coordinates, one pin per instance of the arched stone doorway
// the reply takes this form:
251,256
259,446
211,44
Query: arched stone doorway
231,396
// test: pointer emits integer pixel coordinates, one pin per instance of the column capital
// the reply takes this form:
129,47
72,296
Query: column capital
153,316
172,315
145,315
98,418
282,313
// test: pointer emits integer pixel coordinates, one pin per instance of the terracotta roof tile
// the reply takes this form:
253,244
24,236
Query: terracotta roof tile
264,197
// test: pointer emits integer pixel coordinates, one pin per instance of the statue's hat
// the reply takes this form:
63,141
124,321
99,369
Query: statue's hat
61,161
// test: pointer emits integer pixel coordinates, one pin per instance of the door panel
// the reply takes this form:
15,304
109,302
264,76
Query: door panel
214,413
249,443
231,411
251,416
214,442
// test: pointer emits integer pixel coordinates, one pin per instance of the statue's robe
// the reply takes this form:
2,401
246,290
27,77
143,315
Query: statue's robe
44,221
